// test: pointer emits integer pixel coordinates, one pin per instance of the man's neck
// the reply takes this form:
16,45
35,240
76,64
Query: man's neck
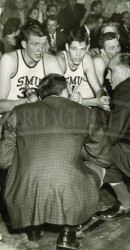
28,60
71,64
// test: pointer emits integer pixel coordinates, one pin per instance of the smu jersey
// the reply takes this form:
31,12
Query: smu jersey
25,77
73,77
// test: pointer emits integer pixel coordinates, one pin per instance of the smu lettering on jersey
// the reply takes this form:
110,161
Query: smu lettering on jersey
25,78
73,77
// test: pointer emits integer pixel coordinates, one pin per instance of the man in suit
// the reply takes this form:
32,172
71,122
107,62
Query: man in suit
124,31
20,11
48,182
56,37
118,132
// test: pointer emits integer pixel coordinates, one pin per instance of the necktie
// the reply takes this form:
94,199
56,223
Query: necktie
52,41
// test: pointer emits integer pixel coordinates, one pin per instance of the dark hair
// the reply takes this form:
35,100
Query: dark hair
50,6
124,59
52,18
90,19
30,12
11,25
79,35
32,27
52,84
105,37
95,4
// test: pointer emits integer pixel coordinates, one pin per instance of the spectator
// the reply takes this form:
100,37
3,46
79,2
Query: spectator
56,37
52,10
20,11
11,31
41,5
124,30
69,17
33,13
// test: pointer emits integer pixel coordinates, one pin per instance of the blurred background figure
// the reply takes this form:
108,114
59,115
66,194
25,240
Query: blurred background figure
20,10
123,5
5,13
70,17
124,30
11,32
52,9
33,13
42,6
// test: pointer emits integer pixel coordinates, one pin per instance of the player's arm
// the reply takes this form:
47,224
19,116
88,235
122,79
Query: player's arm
90,72
52,65
100,100
100,69
7,70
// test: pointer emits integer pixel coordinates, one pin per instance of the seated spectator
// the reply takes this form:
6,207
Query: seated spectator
95,34
61,190
110,9
95,8
70,17
52,10
124,30
11,31
29,3
20,11
41,5
56,37
90,24
33,13
110,27
5,13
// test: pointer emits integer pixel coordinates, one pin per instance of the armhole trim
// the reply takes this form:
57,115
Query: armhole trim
17,65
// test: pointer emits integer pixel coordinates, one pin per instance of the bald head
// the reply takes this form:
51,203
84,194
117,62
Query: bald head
119,69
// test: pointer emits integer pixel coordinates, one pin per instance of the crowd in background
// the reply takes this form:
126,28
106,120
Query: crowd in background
62,16
82,41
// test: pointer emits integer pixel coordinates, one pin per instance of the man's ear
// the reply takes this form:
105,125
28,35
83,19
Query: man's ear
67,46
102,51
24,44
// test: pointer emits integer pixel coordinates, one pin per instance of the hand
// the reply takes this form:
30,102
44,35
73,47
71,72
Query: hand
12,41
32,98
76,97
104,102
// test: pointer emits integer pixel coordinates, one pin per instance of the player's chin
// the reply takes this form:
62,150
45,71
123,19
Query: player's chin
38,58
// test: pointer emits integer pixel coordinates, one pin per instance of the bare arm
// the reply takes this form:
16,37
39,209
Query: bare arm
90,72
52,65
7,70
101,100
99,68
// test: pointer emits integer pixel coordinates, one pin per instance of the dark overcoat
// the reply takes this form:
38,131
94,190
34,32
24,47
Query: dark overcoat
118,130
47,180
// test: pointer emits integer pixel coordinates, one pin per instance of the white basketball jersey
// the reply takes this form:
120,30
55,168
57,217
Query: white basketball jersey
77,81
73,77
25,77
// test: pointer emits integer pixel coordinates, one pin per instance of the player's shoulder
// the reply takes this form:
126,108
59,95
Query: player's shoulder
9,57
98,59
